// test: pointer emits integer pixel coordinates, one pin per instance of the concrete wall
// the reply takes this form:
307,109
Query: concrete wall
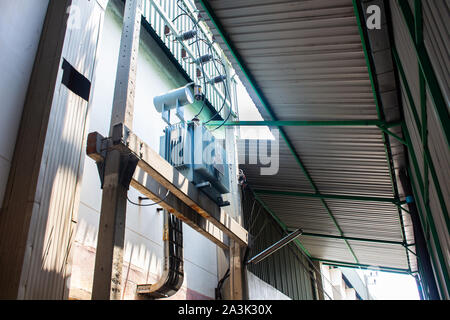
337,289
20,30
260,290
143,239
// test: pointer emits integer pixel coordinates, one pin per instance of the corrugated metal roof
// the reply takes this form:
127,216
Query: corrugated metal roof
307,60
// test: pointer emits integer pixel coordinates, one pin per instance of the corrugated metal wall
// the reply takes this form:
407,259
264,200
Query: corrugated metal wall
287,269
46,265
429,178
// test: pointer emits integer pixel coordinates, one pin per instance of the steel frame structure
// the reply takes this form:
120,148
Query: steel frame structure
427,78
123,160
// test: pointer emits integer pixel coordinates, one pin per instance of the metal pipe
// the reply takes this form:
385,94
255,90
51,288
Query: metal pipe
275,247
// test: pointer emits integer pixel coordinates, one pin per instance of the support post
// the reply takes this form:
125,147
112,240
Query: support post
421,248
118,166
236,272
111,233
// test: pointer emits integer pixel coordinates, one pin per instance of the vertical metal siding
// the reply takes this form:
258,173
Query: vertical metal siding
435,32
46,269
287,270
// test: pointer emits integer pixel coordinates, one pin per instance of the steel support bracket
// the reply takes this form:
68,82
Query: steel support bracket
98,147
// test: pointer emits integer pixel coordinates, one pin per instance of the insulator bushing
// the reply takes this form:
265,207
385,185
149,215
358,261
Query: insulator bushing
218,79
204,59
187,35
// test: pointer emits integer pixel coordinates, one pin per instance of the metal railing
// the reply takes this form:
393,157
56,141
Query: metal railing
170,19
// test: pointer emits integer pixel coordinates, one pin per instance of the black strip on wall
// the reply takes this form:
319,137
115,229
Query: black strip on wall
75,81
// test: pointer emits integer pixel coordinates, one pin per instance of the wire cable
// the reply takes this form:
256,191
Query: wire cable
209,45
150,204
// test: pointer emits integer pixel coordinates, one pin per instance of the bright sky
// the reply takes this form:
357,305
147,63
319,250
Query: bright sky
392,286
249,112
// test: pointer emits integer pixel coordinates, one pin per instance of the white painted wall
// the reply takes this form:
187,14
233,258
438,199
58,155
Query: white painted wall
20,29
260,290
143,237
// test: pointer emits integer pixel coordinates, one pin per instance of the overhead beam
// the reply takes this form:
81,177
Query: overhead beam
154,191
325,196
361,266
309,234
301,123
170,178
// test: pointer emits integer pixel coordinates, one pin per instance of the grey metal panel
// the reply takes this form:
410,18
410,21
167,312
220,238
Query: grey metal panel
369,253
406,52
444,236
435,32
47,263
327,249
287,269
289,175
308,61
307,214
371,220
344,160
437,42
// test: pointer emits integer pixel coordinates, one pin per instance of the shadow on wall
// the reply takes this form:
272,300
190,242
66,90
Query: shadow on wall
145,267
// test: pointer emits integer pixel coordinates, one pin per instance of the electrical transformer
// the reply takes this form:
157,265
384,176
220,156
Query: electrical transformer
196,154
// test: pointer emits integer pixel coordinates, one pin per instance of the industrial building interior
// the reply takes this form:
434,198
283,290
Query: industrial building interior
223,149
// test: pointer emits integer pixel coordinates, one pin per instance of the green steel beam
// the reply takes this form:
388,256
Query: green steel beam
361,266
440,106
325,196
387,149
392,134
266,106
310,234
300,123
